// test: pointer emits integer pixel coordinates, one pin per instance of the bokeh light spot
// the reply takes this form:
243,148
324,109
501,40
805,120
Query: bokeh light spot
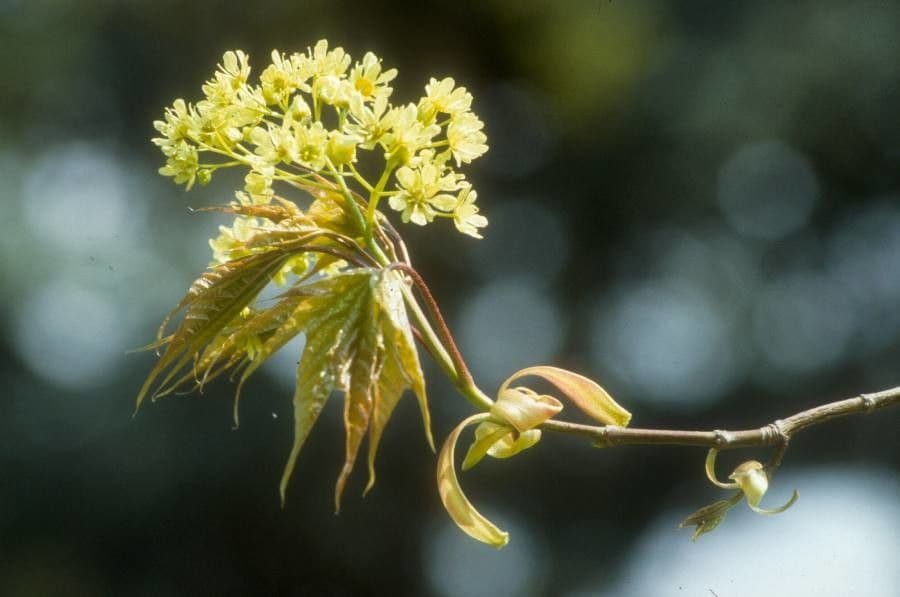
802,323
70,335
524,239
76,194
458,566
767,190
508,325
668,341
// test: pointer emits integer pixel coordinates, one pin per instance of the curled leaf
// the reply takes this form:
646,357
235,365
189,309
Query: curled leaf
486,435
711,471
458,506
498,440
751,477
509,446
586,394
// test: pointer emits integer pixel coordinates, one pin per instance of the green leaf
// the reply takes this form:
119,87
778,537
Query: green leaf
707,518
398,332
364,370
358,341
387,393
212,302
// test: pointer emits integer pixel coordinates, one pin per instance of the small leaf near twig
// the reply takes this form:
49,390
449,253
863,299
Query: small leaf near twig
707,518
751,481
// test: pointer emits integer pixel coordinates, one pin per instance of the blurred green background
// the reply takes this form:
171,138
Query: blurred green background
696,203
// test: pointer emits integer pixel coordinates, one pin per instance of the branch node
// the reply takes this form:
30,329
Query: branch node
774,434
869,402
723,438
603,439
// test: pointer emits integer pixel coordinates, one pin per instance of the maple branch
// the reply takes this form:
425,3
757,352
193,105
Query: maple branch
777,433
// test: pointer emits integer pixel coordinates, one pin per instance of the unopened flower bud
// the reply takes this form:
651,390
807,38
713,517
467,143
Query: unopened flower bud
341,148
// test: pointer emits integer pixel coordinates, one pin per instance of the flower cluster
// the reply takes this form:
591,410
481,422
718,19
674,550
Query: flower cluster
306,119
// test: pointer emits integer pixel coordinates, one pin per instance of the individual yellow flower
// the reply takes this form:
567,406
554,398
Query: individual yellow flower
320,61
234,70
369,123
465,214
407,135
280,80
341,148
369,81
466,139
423,191
258,185
275,144
442,96
182,164
333,90
231,242
312,143
223,126
179,124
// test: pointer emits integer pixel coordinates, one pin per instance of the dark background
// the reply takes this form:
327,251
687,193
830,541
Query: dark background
695,203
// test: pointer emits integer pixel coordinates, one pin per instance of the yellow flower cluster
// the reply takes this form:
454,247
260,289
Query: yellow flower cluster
306,119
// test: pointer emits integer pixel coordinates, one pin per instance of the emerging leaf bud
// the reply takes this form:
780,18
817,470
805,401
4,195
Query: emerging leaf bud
593,400
752,479
523,408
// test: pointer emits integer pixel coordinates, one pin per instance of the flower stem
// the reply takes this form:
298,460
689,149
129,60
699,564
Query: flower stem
374,196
